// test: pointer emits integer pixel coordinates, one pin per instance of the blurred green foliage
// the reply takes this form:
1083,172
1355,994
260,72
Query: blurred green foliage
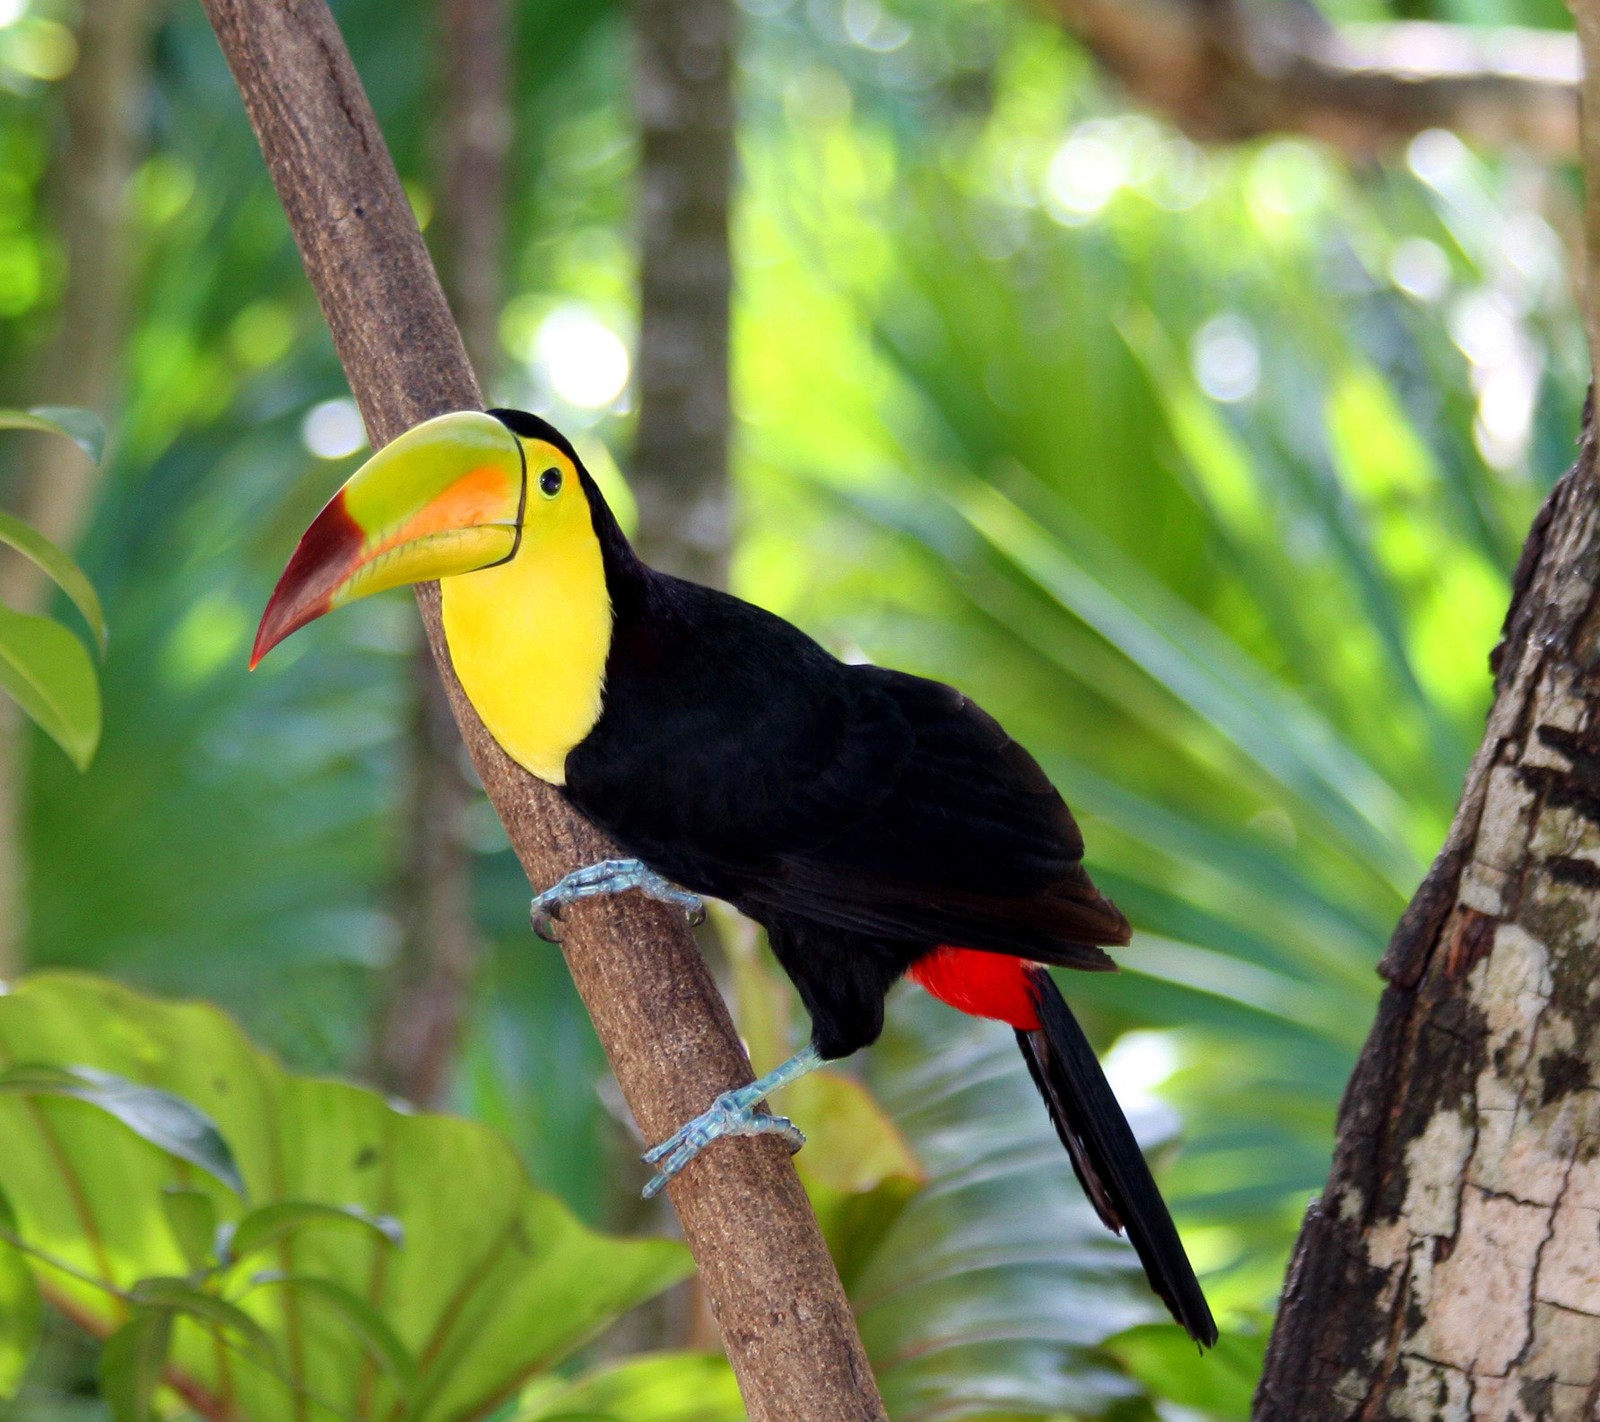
1203,469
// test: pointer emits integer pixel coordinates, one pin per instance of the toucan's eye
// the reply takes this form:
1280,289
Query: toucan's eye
550,483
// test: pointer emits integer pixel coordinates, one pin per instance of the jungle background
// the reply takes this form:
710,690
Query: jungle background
1192,432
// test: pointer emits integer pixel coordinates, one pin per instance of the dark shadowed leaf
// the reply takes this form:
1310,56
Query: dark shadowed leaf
175,1125
192,1217
133,1362
262,1228
83,427
20,1313
181,1296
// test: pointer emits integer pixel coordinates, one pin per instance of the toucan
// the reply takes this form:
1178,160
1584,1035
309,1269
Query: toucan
877,824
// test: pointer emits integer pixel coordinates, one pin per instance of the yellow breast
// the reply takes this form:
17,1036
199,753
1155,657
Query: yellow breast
529,638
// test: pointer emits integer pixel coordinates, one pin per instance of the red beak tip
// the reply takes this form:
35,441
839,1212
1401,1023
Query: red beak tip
263,643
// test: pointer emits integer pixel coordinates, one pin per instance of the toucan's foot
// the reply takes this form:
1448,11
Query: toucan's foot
733,1113
609,876
721,1120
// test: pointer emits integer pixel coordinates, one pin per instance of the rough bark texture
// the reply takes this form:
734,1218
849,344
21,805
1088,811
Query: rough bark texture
1452,1268
426,994
785,1321
1226,70
81,364
683,94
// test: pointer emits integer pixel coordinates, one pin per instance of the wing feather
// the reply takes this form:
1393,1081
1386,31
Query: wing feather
736,756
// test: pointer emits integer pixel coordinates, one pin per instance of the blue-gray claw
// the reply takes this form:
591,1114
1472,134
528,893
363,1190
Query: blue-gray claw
609,876
688,1141
733,1113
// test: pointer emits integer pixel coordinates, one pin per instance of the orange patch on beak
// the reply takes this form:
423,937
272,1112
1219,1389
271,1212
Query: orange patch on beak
473,500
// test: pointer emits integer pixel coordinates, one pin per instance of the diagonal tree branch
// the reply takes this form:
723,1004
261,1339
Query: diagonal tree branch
784,1317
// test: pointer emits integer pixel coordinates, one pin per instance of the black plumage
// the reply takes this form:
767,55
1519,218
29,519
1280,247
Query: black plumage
866,818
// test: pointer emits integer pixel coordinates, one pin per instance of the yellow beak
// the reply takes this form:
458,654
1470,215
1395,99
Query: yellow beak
445,498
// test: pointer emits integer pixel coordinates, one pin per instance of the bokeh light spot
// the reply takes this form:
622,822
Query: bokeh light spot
1227,358
1437,156
1083,176
1139,1064
584,360
38,49
333,429
1420,269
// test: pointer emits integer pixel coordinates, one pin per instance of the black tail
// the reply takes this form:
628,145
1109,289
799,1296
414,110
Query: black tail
1106,1156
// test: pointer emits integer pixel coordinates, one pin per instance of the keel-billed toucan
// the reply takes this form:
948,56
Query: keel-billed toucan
875,823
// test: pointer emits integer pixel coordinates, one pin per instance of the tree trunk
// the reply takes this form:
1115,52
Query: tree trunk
785,1321
683,95
81,364
1452,1268
426,994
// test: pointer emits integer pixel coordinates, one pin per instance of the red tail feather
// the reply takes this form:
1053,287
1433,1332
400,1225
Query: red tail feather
980,984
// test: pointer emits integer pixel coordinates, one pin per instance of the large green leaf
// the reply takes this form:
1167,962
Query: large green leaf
360,1318
83,427
1193,660
666,1387
494,1281
47,672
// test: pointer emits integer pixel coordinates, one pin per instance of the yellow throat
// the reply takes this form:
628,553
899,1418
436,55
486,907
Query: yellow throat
529,637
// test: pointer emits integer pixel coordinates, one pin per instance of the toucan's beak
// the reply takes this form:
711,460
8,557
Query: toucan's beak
445,498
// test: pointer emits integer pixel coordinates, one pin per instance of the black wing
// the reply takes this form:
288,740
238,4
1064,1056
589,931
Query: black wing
739,758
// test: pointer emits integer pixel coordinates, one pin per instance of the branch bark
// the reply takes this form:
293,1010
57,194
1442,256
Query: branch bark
1228,70
784,1317
684,102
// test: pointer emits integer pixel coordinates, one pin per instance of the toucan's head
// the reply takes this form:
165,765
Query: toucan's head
456,494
